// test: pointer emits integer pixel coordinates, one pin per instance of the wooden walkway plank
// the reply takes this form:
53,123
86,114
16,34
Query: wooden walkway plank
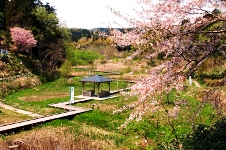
16,125
64,105
67,106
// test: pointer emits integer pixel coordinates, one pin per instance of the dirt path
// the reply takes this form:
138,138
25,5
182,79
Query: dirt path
196,83
19,110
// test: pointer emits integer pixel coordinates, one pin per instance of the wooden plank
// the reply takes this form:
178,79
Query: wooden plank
63,104
83,100
13,147
40,120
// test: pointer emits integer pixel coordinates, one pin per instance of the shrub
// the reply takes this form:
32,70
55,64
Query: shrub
65,69
207,137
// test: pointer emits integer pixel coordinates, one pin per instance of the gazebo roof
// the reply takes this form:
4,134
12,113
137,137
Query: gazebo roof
95,79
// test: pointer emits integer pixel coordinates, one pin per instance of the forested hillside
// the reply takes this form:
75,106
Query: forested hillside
41,21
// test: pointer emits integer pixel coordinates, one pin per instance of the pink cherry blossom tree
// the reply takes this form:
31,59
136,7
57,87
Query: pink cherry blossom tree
184,32
23,39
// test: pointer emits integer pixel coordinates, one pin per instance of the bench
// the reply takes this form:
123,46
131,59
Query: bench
89,93
104,94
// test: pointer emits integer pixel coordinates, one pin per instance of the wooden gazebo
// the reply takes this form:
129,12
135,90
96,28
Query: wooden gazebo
96,80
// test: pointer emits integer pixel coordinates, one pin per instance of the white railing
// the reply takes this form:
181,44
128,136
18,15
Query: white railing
2,79
3,52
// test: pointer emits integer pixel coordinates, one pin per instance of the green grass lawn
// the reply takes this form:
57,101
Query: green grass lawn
8,116
102,126
37,99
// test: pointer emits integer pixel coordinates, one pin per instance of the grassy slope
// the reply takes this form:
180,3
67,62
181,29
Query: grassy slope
15,76
100,125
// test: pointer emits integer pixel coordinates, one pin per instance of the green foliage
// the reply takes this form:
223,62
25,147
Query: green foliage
207,137
82,57
141,128
58,123
161,56
7,38
127,69
2,5
65,69
101,119
65,33
2,21
49,19
104,46
30,64
90,56
48,22
18,13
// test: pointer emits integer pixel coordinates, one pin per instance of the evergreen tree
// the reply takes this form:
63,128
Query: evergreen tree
2,17
18,13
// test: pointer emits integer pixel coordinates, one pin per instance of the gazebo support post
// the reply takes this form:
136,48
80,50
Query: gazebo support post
98,85
83,83
109,89
94,87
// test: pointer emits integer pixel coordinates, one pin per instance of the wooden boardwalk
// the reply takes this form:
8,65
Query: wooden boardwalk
33,122
66,106
72,110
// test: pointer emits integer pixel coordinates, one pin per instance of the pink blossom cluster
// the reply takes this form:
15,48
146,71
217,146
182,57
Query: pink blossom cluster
163,78
164,26
23,39
174,112
123,39
160,18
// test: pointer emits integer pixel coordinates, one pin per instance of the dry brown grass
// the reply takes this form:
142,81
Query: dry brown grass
105,107
27,81
2,68
217,98
50,138
111,66
44,96
18,84
78,74
8,116
101,135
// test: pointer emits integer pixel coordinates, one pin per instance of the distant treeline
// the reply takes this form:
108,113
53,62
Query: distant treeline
93,33
78,33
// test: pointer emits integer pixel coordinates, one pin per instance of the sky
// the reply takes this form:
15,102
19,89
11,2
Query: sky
90,14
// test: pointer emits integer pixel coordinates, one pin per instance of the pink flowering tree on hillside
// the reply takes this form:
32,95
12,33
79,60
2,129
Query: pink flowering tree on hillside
187,32
23,40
